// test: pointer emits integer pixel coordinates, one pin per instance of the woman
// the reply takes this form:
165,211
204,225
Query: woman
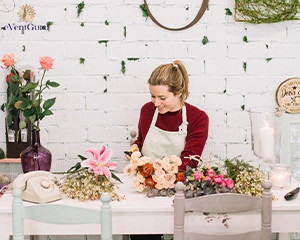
168,125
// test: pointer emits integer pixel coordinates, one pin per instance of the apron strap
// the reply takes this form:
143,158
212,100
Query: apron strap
182,128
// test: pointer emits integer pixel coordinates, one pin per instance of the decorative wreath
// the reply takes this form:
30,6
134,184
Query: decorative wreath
266,11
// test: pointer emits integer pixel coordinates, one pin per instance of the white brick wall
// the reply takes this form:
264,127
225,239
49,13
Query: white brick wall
85,116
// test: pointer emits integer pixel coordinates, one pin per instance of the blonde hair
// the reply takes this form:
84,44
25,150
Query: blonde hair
175,76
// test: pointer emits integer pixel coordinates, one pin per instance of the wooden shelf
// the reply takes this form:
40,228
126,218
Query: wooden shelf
10,160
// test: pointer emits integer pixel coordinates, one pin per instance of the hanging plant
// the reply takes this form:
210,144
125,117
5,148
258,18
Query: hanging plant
228,12
81,60
265,11
144,10
125,31
123,68
245,66
80,7
204,40
103,41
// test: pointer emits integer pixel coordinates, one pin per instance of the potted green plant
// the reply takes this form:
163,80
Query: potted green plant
31,104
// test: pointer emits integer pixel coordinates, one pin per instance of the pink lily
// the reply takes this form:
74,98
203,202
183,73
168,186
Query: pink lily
100,164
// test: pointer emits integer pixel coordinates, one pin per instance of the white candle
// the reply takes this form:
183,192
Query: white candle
266,140
278,180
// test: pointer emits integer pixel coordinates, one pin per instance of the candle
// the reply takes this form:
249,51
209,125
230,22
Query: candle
278,180
266,140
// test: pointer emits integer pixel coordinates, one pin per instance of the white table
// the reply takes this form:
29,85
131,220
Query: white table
140,215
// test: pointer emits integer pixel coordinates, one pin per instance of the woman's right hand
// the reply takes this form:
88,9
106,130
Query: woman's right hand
133,148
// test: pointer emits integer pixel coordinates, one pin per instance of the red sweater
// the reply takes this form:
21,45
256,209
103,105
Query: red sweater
197,129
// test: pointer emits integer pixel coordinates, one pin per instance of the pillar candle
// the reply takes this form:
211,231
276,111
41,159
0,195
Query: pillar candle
266,140
278,180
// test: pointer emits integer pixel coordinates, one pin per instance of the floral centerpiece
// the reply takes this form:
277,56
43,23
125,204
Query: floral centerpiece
157,175
88,179
27,96
209,177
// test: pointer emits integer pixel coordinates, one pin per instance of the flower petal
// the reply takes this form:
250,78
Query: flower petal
111,165
105,156
90,163
94,152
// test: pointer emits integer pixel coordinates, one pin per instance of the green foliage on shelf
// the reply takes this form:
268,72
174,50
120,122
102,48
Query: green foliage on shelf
106,23
2,154
243,107
266,11
245,39
80,7
23,48
82,24
268,59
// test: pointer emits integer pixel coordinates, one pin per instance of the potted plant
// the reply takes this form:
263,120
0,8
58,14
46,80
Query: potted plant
34,108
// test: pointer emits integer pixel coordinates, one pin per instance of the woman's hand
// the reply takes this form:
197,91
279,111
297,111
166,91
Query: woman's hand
133,148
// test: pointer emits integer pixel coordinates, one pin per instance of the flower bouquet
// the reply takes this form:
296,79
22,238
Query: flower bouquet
157,176
88,179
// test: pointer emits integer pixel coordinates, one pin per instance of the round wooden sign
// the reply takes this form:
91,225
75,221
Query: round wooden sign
288,95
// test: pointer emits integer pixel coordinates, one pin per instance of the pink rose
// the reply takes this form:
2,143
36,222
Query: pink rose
197,175
46,62
8,59
210,173
229,183
219,179
207,178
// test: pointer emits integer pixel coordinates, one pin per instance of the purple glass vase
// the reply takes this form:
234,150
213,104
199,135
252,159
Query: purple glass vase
36,157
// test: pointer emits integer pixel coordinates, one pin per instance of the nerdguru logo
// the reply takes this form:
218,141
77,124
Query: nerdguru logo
26,14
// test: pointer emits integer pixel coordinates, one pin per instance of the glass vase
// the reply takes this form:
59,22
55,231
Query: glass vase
266,134
36,156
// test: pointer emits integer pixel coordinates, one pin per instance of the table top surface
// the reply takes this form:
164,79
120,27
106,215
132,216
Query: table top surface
139,202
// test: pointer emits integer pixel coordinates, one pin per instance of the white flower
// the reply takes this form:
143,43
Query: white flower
159,173
129,170
140,178
143,160
158,163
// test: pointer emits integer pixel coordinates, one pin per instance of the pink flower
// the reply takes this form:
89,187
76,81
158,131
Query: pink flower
208,178
210,173
8,59
46,62
100,164
229,182
219,179
197,175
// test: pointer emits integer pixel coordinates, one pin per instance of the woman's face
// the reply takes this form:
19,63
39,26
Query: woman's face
164,100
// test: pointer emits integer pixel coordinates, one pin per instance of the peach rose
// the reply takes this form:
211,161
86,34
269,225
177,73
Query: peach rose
8,59
129,170
157,164
46,62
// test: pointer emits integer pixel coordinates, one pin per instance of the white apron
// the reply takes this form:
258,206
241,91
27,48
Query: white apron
159,143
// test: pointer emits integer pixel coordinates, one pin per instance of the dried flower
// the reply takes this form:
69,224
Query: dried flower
88,179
